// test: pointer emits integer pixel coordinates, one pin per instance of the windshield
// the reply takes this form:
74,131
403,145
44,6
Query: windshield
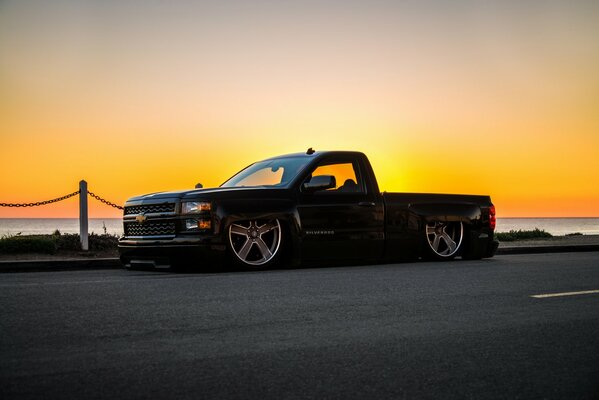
277,172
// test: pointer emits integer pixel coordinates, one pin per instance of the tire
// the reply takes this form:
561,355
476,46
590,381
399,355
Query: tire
255,244
444,240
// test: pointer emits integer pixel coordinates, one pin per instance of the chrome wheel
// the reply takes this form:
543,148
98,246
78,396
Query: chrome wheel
256,242
444,238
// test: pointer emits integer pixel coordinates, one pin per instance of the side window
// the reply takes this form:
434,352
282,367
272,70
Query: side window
347,177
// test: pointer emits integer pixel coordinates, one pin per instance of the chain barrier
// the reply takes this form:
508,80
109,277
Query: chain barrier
42,203
95,196
39,203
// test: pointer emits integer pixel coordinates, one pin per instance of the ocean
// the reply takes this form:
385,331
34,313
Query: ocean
29,226
34,226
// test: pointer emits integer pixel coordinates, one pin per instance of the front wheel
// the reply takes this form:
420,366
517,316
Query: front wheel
444,239
255,244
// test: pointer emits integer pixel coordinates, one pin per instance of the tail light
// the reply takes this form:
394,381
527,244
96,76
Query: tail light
492,219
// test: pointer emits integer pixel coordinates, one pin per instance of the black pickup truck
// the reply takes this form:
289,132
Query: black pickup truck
305,207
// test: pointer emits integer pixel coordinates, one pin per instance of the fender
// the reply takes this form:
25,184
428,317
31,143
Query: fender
467,213
228,212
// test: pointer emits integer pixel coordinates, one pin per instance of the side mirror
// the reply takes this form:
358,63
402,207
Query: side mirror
320,182
199,186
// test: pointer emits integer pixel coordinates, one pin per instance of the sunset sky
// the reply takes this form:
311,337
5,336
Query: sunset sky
498,98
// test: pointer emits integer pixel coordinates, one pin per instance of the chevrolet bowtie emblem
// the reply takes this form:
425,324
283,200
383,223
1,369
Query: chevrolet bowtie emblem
141,218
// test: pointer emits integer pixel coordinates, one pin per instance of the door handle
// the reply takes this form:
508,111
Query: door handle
366,204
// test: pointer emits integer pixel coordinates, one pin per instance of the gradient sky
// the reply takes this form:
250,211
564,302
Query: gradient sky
498,98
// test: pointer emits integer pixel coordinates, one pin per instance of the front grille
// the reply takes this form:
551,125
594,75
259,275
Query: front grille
150,208
150,228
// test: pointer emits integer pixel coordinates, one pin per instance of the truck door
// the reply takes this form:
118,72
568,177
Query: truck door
344,222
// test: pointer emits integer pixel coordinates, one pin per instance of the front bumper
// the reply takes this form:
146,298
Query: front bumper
160,253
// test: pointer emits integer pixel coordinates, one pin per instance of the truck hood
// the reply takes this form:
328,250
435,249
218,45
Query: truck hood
208,193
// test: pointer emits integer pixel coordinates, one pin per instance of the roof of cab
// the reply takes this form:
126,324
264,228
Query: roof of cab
315,154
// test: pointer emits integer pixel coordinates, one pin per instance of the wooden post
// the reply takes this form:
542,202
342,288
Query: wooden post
83,228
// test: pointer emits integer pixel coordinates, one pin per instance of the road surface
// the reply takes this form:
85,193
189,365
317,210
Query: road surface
456,330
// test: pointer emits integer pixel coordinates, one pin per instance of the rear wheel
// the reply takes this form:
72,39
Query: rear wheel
255,244
444,239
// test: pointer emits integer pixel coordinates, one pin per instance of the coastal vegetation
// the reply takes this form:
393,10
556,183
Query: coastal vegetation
55,243
513,235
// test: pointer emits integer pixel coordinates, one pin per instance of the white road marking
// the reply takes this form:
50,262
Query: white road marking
544,296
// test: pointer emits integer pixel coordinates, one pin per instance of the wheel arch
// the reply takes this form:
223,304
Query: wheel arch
468,214
283,211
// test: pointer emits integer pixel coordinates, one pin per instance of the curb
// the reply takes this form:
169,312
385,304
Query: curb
547,249
115,263
60,265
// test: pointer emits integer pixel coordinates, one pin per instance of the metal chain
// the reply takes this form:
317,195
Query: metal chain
95,196
39,203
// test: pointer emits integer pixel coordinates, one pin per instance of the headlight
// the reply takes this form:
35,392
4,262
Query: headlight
191,207
201,224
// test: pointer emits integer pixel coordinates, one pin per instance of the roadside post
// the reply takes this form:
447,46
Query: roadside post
83,225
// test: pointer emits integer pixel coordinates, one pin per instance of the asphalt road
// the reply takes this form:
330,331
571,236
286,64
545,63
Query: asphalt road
463,329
